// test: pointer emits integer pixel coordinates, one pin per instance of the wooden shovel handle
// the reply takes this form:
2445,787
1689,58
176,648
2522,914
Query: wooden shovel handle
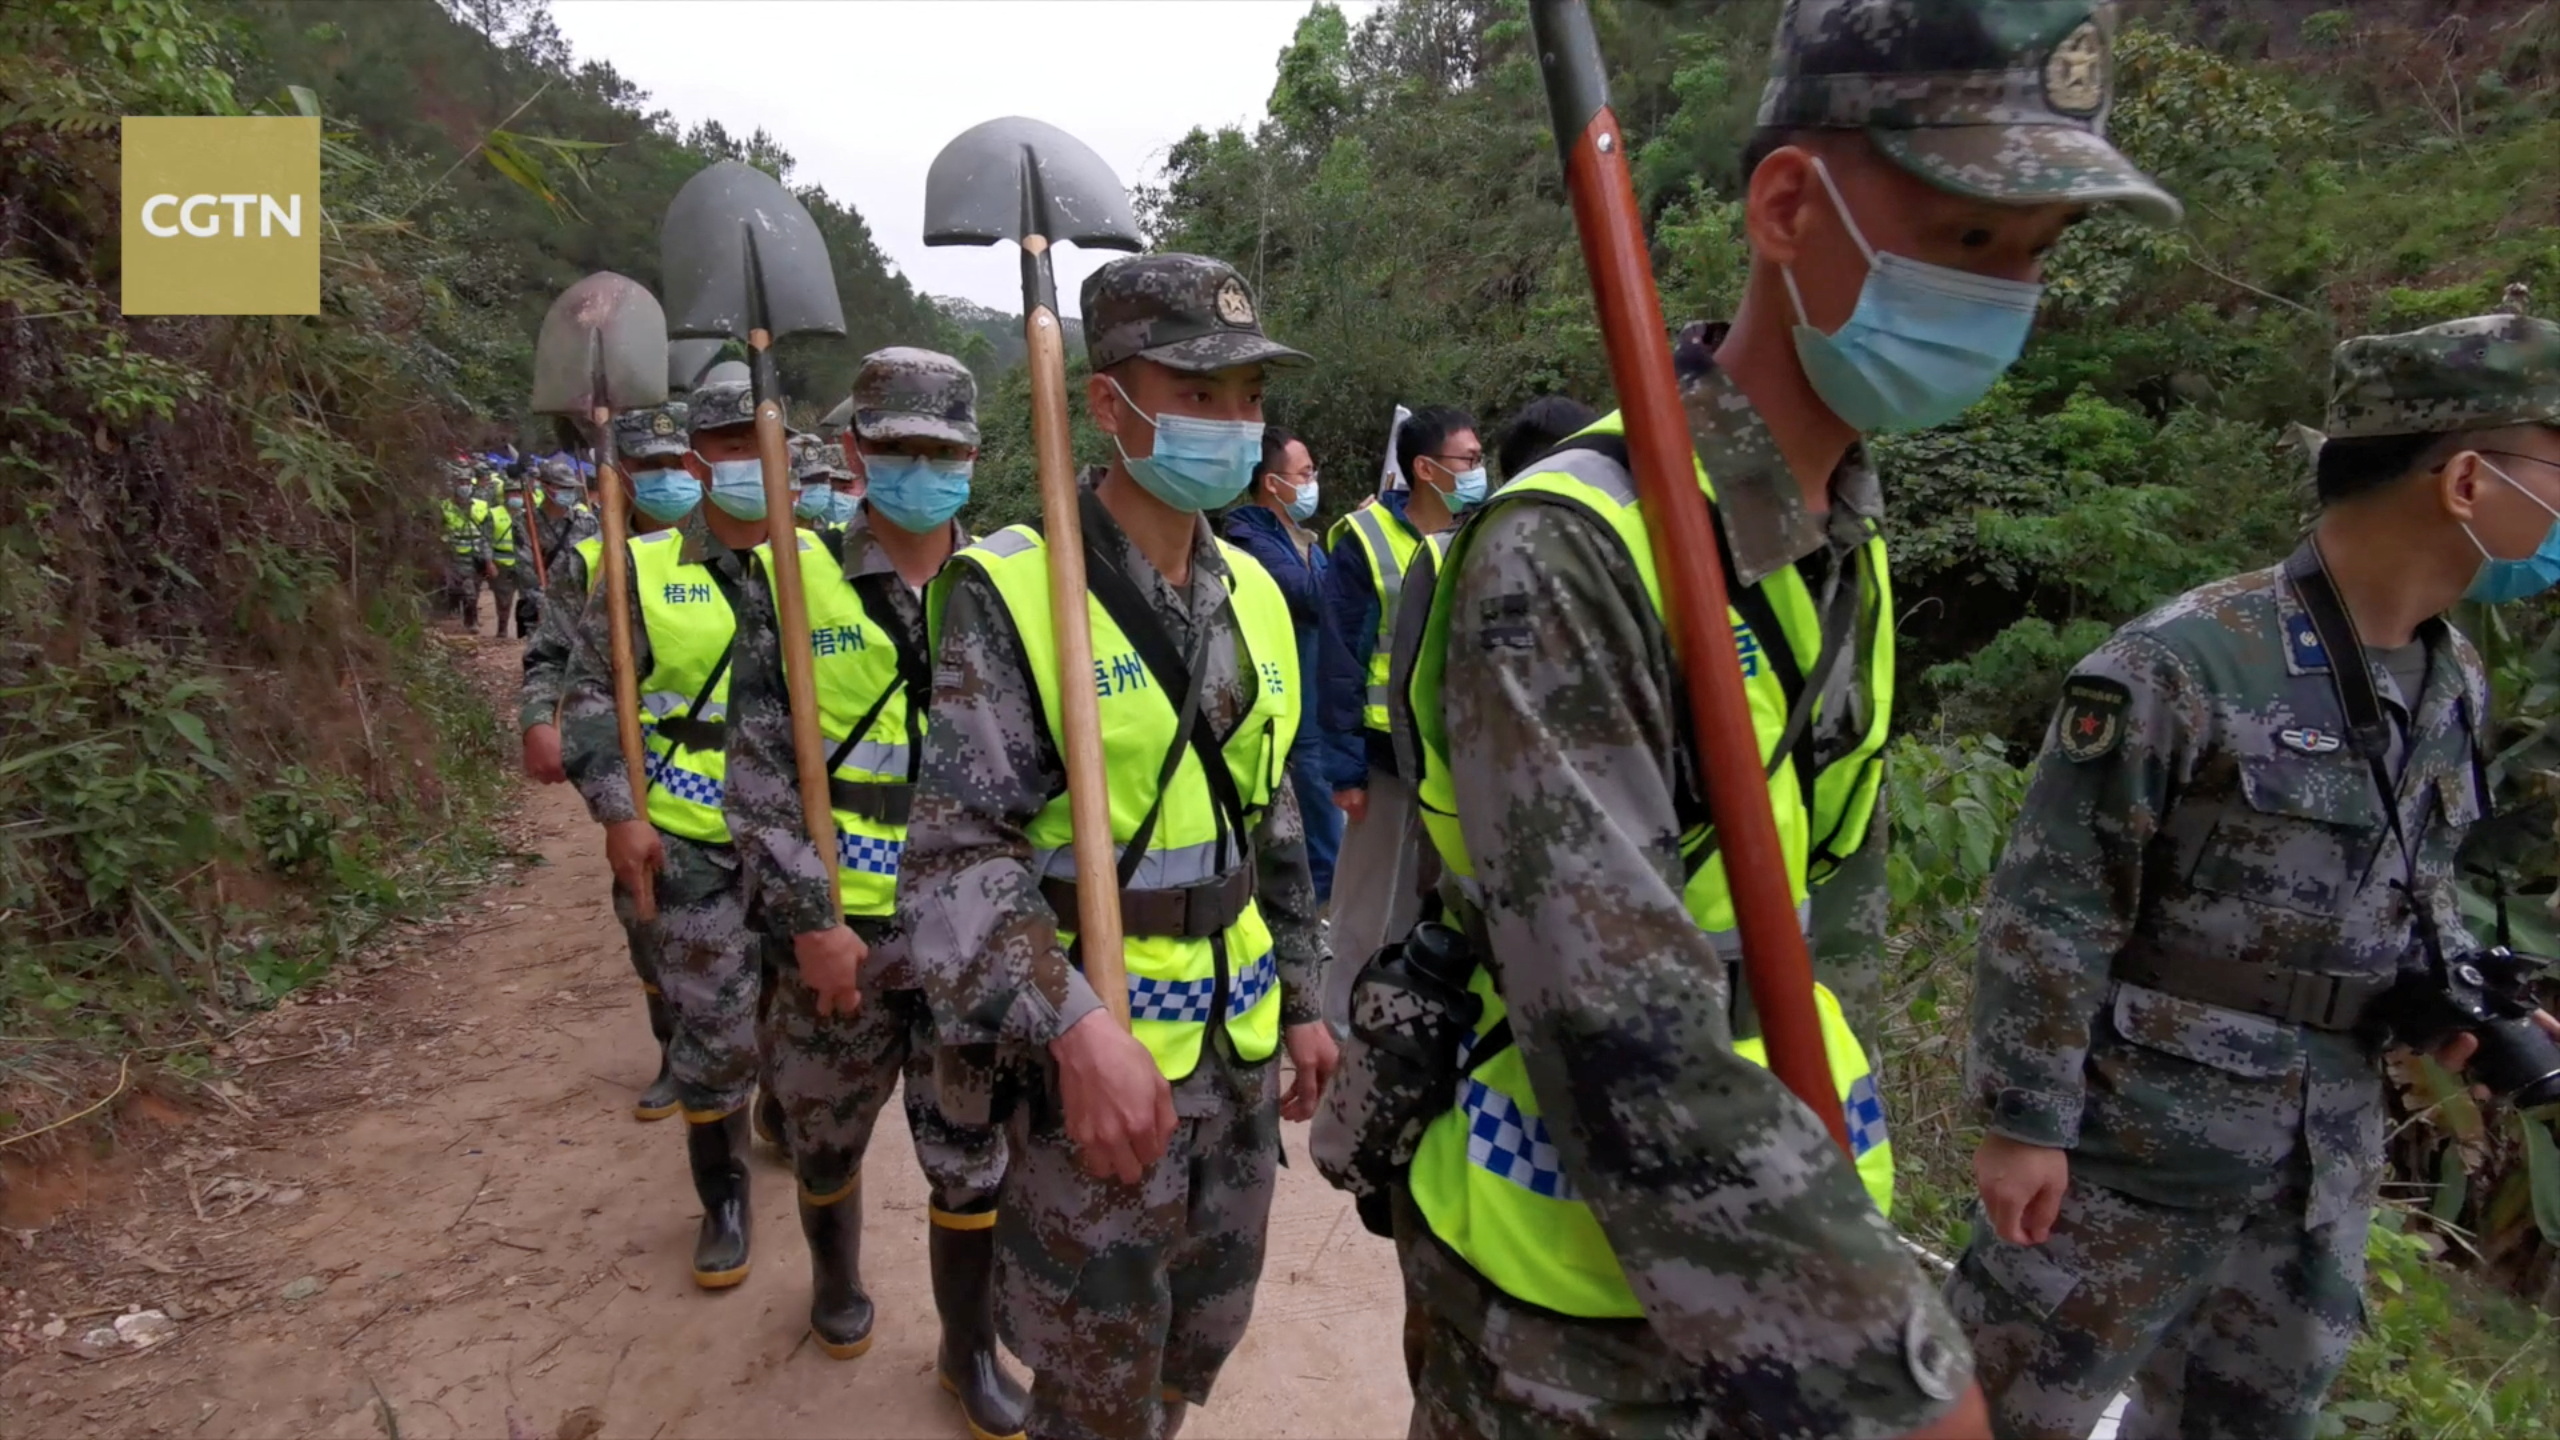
615,555
532,536
799,667
1079,710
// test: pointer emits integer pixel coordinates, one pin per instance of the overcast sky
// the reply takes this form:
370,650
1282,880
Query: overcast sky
863,93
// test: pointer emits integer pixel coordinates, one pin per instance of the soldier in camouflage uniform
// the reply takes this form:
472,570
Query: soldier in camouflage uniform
1140,1168
686,587
820,467
648,441
1633,1229
2175,1041
847,1018
467,546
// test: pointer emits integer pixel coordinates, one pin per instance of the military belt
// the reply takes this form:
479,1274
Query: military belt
882,802
695,734
1193,912
2296,997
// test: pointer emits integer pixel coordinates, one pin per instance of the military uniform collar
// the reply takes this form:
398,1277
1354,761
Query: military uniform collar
701,547
1757,498
864,556
2304,654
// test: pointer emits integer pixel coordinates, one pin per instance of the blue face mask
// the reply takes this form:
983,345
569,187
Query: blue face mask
1923,344
1466,491
2500,581
1197,464
666,496
812,504
1303,505
568,499
914,493
737,487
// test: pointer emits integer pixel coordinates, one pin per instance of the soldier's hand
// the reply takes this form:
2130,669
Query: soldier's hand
1119,1108
2021,1187
542,756
1315,1057
1354,804
635,853
831,966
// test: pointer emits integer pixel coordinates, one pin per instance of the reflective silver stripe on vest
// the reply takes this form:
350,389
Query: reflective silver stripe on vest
1159,870
1005,544
1593,469
1390,570
659,704
875,756
1728,943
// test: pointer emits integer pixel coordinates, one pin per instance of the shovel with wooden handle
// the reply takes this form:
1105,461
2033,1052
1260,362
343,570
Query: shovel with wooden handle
743,261
1594,151
603,348
1033,183
687,360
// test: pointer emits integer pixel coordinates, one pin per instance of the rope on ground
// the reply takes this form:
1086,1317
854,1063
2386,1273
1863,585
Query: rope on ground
123,1072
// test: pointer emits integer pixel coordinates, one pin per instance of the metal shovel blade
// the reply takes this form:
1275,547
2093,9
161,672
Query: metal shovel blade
836,421
1016,177
740,253
686,360
605,333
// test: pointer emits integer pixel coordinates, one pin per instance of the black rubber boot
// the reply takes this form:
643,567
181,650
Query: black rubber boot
659,1100
963,1263
768,1113
718,1150
839,1308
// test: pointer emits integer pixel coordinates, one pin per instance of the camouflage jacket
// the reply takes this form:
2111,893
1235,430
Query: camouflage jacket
985,942
590,743
792,882
559,536
2195,800
1772,1290
546,655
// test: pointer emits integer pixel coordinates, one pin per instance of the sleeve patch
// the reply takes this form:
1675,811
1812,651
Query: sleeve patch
2091,722
1503,624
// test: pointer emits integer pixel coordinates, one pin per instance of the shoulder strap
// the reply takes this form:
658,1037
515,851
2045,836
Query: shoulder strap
2368,729
1120,598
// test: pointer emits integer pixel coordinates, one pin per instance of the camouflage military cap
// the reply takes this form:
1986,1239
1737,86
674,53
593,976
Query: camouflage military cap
657,430
1186,312
720,404
904,393
815,459
2475,374
2001,100
556,472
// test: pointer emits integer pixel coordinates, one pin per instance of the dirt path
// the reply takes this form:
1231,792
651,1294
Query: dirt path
433,1215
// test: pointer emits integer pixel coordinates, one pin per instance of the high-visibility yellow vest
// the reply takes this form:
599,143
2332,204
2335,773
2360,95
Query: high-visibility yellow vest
859,688
459,525
1487,1175
690,627
590,551
1173,981
502,544
1390,545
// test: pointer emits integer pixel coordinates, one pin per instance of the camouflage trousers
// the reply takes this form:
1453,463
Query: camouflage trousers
834,1073
502,595
462,591
2229,1321
642,935
1484,1366
706,966
1122,1297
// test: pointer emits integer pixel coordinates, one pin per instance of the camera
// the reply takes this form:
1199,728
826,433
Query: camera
2488,993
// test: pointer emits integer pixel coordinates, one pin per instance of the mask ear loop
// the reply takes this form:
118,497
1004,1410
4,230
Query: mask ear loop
2467,532
1848,222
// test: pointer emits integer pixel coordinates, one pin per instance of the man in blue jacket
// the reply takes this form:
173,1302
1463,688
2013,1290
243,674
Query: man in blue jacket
1271,527
1382,553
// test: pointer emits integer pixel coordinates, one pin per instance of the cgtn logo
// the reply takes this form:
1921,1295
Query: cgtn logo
221,215
180,217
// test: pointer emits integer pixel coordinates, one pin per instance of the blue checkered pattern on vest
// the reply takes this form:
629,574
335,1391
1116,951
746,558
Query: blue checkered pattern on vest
682,783
868,853
1866,1116
1511,1143
1187,1001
